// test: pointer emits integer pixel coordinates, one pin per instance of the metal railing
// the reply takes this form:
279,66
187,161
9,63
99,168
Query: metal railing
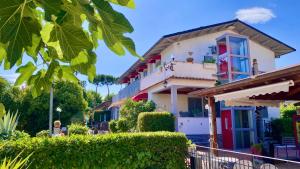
209,158
128,91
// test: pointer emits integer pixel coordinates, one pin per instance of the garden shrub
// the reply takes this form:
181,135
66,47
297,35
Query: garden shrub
14,135
156,121
43,133
159,150
282,127
122,125
131,109
77,129
113,126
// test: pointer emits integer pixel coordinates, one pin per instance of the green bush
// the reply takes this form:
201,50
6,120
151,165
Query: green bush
113,126
131,109
156,121
159,150
122,125
77,129
15,135
43,133
287,111
282,127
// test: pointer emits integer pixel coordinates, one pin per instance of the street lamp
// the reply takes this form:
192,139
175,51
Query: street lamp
58,109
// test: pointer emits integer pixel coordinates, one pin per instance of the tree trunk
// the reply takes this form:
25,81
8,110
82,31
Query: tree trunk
107,90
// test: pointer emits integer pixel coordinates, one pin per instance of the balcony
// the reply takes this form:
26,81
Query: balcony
181,69
128,91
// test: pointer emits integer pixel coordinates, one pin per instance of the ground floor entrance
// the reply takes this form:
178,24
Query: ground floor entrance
238,127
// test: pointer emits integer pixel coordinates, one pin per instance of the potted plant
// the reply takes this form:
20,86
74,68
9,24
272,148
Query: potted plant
256,149
190,59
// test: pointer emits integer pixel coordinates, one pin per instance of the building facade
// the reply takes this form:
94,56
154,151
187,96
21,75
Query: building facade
187,61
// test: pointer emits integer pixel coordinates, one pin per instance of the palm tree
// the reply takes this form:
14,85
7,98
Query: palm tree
104,80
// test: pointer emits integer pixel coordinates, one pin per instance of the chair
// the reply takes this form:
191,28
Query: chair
268,166
243,164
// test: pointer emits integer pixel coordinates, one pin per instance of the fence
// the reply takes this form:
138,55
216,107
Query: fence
209,158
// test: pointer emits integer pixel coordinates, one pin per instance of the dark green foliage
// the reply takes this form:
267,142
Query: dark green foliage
160,150
282,127
131,109
77,129
119,126
122,125
156,121
113,126
43,133
34,111
287,111
69,97
15,135
93,99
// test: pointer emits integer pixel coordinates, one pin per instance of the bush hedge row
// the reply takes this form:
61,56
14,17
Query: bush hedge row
159,150
156,121
77,129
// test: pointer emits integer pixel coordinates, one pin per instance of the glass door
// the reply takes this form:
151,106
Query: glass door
244,128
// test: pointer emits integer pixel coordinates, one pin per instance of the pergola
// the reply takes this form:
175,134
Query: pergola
267,89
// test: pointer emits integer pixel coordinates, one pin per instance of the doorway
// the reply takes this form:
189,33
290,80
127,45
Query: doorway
227,129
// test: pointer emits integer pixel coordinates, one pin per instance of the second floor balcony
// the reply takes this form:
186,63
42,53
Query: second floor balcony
128,91
181,69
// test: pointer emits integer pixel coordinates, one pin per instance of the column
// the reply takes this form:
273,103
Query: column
212,124
174,105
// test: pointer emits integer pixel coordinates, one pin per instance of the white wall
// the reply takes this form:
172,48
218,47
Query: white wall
192,125
187,125
273,113
199,47
163,102
265,57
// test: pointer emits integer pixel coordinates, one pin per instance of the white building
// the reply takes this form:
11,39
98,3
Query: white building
195,59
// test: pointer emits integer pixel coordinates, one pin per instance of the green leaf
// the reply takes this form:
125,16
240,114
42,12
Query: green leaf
72,40
68,74
18,24
129,45
80,59
51,7
117,21
2,53
127,3
25,73
89,67
2,110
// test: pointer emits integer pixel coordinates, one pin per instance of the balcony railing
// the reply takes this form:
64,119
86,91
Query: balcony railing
181,69
128,91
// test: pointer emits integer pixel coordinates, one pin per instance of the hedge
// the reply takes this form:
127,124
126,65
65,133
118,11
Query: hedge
156,121
75,129
159,150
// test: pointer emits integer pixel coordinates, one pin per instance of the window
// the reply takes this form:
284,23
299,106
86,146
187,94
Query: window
158,63
145,73
233,58
196,107
243,119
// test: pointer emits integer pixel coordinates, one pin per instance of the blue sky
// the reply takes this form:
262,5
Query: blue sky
154,18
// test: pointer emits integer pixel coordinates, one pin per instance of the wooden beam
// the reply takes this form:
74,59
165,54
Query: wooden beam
265,42
213,125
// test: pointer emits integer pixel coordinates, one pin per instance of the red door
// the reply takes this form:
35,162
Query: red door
227,129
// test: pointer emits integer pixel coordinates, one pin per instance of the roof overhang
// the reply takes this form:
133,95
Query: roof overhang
278,47
271,87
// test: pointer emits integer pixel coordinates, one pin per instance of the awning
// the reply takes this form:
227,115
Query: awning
249,102
243,97
140,96
117,103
